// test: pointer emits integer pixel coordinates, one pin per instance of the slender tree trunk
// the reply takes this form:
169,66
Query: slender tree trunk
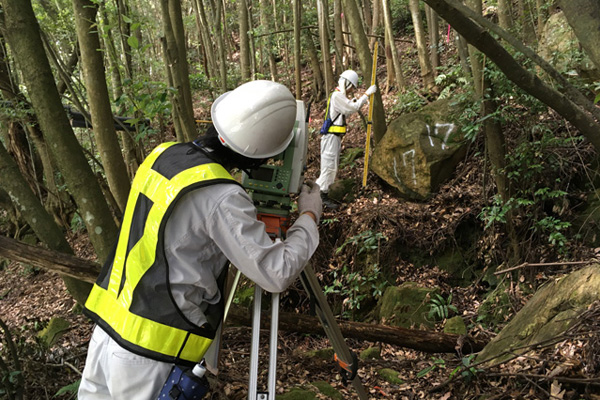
323,14
266,23
207,39
434,38
377,22
182,77
387,16
244,41
338,37
496,152
475,56
124,33
463,55
23,35
526,20
297,16
218,30
389,62
366,64
505,19
173,55
318,82
102,117
424,61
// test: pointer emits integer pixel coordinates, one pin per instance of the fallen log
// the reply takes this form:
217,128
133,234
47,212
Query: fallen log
40,257
427,341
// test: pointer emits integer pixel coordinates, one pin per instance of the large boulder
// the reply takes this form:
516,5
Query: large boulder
548,314
559,46
420,150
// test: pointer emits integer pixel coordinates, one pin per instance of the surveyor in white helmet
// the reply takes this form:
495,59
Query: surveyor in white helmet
340,105
158,300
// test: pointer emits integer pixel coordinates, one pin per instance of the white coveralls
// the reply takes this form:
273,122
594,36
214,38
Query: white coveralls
207,227
340,107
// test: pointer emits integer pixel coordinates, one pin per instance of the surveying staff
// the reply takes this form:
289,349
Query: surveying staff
159,299
341,104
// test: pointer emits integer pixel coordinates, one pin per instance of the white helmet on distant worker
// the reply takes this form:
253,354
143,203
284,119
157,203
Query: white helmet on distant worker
256,119
350,76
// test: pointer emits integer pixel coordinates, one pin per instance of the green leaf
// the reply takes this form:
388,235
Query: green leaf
133,42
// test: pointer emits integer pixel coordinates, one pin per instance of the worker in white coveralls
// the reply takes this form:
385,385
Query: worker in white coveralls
340,105
159,298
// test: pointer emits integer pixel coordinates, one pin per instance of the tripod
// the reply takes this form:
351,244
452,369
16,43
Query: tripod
345,359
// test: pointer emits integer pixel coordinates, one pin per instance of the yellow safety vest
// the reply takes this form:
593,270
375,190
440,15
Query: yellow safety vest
335,129
131,299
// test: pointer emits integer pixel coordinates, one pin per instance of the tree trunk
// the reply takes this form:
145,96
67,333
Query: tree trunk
36,216
474,56
244,41
584,17
366,64
22,32
323,16
433,24
176,16
387,20
178,72
102,117
376,23
426,71
218,30
313,57
526,19
297,20
505,14
338,37
124,33
496,152
265,21
206,39
516,73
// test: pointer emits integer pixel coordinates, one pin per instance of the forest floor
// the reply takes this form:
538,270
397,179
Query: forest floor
30,298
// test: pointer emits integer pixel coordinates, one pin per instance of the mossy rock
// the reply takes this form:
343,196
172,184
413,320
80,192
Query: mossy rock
55,329
455,325
342,191
548,314
326,389
406,305
324,354
390,375
371,353
297,393
349,155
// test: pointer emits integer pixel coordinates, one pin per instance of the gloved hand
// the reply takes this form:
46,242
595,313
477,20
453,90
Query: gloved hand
372,89
310,200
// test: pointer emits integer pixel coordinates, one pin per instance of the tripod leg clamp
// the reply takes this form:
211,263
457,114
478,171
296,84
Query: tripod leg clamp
347,370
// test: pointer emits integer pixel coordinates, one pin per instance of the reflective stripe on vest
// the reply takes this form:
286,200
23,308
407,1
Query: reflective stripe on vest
335,129
109,303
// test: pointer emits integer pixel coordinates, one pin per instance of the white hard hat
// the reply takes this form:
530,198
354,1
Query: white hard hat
350,76
255,119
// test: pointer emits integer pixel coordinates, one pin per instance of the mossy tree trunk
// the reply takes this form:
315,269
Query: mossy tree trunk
23,35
